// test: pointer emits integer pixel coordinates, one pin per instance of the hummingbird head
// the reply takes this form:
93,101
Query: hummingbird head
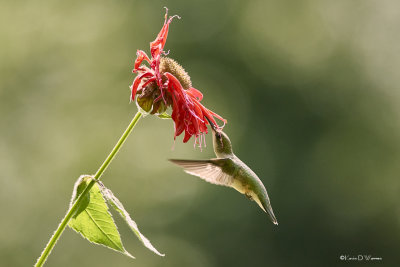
221,142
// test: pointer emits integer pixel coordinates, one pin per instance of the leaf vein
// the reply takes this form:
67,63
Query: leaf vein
98,226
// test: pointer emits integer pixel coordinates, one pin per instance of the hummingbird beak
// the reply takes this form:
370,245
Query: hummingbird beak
267,209
213,127
271,214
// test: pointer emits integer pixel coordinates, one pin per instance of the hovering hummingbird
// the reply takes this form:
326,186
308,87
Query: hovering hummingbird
229,170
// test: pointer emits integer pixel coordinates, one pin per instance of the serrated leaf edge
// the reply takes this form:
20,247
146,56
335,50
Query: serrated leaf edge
123,251
117,205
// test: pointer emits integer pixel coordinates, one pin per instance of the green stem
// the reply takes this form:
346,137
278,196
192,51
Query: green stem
49,247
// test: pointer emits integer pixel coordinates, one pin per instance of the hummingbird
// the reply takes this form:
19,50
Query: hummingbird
228,170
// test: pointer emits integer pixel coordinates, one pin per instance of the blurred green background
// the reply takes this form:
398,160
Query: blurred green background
310,91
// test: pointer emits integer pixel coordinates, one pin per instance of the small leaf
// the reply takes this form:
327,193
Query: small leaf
93,221
79,186
165,116
145,104
117,205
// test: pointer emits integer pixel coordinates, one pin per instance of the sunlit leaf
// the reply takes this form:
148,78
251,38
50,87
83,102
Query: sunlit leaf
79,186
165,115
117,205
145,104
93,221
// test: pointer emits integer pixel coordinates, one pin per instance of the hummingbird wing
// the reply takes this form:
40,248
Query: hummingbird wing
208,170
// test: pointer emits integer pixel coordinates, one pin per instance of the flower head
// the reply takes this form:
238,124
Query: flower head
166,84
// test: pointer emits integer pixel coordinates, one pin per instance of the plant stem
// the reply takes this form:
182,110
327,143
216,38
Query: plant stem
50,245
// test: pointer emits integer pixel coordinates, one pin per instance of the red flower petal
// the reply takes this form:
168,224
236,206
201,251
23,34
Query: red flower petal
141,55
187,137
149,81
158,44
188,114
217,116
195,93
136,82
173,81
134,87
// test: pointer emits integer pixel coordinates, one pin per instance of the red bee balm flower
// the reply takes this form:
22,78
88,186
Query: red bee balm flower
166,84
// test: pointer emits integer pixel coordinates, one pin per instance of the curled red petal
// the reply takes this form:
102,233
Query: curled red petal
134,86
175,87
198,113
178,123
149,81
179,127
210,115
195,93
146,74
157,46
172,80
193,126
187,137
218,117
188,112
203,128
136,82
203,112
141,55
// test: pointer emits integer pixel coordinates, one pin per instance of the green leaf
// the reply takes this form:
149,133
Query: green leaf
145,104
93,221
165,116
79,186
117,205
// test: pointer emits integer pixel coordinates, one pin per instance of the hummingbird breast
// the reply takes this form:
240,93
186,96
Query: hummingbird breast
243,177
248,182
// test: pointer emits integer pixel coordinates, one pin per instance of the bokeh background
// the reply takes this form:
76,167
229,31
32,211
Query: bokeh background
310,90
